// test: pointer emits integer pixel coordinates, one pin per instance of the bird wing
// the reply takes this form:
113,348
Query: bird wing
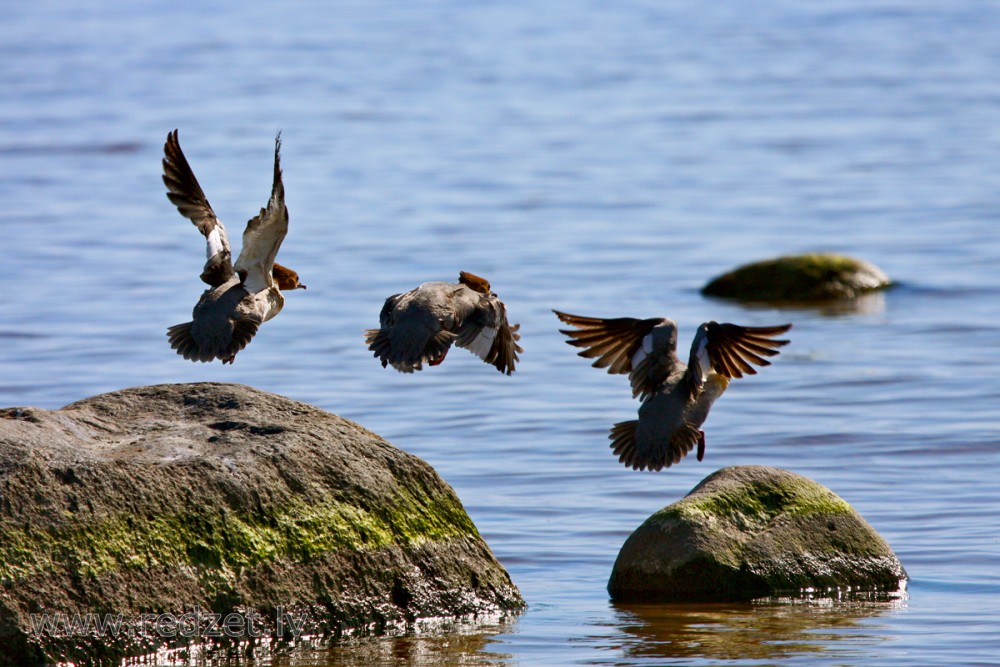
186,194
729,350
264,234
485,331
645,349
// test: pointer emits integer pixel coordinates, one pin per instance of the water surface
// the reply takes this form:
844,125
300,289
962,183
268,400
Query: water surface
601,158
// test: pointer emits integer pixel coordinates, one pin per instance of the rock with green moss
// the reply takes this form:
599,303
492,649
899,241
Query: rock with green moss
148,517
753,531
812,277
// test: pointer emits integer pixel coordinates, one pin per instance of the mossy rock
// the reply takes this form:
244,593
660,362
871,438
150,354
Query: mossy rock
754,531
815,277
222,499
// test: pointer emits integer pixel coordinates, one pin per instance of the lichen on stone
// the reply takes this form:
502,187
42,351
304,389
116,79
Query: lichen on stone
810,277
215,537
157,499
748,531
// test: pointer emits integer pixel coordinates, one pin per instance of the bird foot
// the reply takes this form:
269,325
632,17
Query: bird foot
436,362
701,445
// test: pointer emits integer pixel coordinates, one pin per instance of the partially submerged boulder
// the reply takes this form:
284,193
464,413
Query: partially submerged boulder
162,509
753,531
814,277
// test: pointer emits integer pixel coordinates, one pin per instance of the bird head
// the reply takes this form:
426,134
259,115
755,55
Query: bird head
474,282
286,278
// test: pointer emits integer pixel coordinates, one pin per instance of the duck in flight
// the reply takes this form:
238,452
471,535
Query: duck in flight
240,296
676,397
418,327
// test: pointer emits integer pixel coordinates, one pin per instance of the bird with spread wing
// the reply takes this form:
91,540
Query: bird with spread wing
676,397
240,296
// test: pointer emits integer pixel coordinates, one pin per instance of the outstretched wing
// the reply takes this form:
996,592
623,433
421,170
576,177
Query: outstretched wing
186,194
729,349
264,234
485,332
645,349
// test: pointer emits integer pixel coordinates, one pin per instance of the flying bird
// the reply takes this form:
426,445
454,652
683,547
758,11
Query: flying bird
676,397
418,327
240,296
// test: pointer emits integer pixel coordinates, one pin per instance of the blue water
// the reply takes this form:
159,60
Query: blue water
601,158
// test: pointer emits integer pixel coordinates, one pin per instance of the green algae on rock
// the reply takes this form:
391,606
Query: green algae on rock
754,531
157,501
814,277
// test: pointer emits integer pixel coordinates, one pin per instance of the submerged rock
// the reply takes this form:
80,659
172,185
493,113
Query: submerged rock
800,278
754,531
166,510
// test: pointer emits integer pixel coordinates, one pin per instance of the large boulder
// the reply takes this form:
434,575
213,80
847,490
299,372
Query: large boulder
754,531
814,277
168,511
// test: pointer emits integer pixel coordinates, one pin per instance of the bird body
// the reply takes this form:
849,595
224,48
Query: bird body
676,397
241,295
418,327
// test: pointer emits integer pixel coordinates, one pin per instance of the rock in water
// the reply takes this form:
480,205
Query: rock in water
753,531
158,508
799,278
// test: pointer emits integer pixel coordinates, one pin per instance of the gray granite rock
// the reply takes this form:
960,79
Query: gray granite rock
171,504
754,531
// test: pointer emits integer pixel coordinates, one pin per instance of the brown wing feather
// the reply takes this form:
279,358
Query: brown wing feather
611,342
183,188
186,194
503,354
489,318
733,348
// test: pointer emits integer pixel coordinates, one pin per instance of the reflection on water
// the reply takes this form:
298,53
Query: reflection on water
761,630
871,303
430,644
469,650
450,644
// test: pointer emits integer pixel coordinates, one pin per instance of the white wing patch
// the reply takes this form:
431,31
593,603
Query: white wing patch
701,354
483,342
216,241
257,281
644,350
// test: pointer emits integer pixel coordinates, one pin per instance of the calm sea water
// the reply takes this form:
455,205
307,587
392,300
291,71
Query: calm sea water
601,158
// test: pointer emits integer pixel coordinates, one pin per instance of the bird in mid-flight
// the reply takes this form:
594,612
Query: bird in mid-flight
676,397
418,327
241,296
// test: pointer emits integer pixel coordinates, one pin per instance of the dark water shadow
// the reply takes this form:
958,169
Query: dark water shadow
871,303
759,630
